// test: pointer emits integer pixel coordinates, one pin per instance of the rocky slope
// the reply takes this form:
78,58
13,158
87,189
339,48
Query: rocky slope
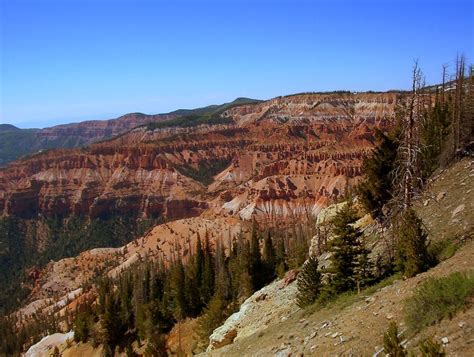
352,327
270,323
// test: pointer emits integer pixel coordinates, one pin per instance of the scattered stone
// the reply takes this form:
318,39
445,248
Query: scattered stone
302,321
440,196
426,203
368,300
335,334
283,352
458,209
261,297
313,348
389,316
445,340
313,335
462,324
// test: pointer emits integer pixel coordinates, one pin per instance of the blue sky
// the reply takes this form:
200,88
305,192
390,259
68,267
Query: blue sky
70,60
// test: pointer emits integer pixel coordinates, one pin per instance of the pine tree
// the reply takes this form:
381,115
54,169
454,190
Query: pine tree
256,267
364,271
208,278
191,287
214,315
392,342
412,250
309,283
281,264
81,327
112,329
376,190
239,266
346,249
178,287
433,135
269,258
223,280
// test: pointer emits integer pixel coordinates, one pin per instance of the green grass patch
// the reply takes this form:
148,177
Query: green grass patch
437,299
443,249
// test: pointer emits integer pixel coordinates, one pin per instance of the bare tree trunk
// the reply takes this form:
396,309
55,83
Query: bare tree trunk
409,148
443,87
458,103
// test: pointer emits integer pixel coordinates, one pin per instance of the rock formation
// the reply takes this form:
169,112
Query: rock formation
286,157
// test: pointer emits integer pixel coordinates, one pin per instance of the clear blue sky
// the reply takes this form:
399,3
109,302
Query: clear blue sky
70,60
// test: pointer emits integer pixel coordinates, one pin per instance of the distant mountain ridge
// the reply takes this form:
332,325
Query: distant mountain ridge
16,142
8,127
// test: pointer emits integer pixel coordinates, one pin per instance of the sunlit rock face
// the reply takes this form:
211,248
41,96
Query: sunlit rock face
286,157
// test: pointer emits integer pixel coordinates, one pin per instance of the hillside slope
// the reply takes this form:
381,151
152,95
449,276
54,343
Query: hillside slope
356,324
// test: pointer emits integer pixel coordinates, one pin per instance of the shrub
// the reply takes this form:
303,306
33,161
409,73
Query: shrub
431,348
442,250
437,299
392,342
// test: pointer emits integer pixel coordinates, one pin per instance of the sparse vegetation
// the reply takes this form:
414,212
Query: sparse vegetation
439,298
431,348
190,121
392,343
205,171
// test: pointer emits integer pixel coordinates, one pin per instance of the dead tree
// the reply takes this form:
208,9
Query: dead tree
458,105
410,146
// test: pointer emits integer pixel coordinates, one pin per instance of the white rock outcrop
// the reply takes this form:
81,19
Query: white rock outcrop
270,304
42,348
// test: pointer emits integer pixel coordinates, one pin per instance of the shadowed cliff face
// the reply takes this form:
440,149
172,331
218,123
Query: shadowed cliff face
284,157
